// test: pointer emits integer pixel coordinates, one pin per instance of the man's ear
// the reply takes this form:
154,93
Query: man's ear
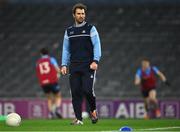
73,15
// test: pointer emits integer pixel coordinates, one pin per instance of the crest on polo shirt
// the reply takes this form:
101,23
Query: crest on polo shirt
84,31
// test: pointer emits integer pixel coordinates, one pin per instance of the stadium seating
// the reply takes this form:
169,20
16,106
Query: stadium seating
128,33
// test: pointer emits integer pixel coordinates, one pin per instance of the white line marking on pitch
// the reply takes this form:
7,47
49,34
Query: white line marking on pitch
160,128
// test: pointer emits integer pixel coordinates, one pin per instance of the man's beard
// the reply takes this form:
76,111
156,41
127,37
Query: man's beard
79,22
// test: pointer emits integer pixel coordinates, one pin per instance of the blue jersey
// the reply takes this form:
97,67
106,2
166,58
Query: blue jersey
147,72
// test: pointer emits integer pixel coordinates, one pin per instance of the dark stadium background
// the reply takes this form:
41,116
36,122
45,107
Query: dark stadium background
129,30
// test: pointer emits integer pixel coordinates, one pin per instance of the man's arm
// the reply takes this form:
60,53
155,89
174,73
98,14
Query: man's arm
65,54
161,76
137,80
55,64
65,51
96,48
96,44
159,73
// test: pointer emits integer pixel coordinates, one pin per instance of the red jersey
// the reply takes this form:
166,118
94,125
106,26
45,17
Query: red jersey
148,81
46,72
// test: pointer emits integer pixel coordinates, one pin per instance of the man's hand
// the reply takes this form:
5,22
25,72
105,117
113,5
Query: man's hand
64,70
93,66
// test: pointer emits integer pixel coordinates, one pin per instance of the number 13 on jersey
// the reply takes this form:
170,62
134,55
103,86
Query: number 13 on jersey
44,68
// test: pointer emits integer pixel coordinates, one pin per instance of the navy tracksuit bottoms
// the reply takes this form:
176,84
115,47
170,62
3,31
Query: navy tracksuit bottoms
82,80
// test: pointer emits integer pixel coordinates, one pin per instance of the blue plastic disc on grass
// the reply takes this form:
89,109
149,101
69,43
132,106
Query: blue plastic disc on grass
125,129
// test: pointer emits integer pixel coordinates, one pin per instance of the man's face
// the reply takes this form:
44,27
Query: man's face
145,64
79,15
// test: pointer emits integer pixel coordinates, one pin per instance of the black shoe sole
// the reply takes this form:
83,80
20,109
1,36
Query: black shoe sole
94,121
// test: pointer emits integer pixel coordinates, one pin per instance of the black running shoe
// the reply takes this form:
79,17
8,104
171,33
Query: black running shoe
94,117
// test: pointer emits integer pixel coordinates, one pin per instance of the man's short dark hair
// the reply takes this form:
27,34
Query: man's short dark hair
79,6
44,51
145,59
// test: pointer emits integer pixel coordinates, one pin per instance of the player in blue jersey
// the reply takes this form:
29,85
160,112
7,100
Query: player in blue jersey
81,53
146,77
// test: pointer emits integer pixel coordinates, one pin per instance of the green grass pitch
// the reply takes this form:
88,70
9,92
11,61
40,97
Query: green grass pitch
103,125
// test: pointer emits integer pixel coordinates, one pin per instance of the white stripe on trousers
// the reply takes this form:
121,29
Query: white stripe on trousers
94,81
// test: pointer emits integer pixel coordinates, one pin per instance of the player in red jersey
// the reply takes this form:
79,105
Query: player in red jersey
146,77
47,70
